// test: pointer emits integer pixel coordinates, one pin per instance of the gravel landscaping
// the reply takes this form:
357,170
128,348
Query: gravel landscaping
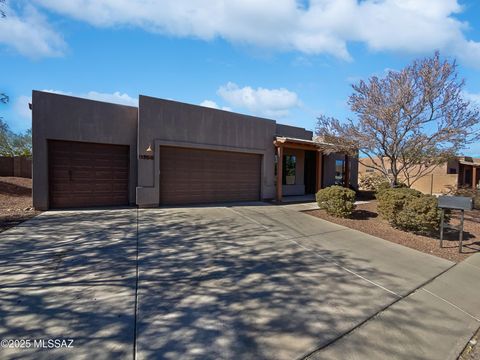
366,219
15,201
472,350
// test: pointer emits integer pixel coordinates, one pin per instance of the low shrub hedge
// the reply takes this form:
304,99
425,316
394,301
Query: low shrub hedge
469,192
336,200
371,182
420,215
386,185
392,200
410,210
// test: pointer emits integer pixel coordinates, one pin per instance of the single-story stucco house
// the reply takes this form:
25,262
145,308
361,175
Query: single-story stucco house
90,153
460,172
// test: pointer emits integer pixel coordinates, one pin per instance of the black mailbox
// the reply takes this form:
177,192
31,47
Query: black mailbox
461,203
455,202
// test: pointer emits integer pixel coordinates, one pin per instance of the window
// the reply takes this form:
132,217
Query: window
451,171
370,170
289,172
339,172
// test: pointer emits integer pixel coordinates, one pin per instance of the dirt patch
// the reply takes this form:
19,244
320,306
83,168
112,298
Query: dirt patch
472,350
15,201
366,219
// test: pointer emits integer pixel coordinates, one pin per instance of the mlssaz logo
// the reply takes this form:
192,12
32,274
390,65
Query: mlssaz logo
53,343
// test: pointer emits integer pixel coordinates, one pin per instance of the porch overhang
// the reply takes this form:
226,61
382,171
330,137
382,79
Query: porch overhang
470,163
321,148
302,144
474,164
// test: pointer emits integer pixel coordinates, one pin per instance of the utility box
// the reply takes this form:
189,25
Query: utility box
462,203
455,202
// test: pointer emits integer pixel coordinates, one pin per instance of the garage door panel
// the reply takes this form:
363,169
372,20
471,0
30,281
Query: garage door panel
205,176
87,174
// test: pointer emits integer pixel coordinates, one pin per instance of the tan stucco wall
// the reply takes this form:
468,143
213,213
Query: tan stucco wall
68,118
438,181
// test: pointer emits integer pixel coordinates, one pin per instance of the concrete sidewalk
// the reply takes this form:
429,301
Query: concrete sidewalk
434,322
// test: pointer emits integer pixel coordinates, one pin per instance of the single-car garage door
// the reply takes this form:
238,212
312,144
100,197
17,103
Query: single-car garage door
87,174
189,176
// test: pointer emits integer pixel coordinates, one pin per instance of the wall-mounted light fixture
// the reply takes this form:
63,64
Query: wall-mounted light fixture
149,152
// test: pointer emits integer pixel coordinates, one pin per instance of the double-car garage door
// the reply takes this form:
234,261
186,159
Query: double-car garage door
87,174
195,176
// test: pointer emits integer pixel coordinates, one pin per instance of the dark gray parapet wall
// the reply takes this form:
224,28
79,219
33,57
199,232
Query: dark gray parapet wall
293,131
164,122
68,118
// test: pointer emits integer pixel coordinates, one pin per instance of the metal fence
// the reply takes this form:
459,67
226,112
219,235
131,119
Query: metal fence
18,166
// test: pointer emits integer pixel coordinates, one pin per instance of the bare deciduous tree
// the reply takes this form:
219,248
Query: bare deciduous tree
2,11
409,121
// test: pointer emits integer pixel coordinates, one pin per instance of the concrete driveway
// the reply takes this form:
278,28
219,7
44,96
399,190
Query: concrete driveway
257,281
70,275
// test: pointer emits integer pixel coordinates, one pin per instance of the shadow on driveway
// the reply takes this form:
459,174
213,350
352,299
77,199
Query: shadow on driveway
216,285
70,275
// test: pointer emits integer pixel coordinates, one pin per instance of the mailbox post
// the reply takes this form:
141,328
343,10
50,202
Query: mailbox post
461,203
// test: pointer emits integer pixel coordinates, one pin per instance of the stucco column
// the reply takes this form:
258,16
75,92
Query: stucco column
318,178
474,177
346,180
279,172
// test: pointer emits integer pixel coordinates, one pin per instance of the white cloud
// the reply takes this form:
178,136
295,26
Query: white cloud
266,102
214,105
29,34
472,97
116,97
320,26
21,108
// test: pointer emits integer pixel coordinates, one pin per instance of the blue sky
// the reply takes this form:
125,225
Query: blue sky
282,59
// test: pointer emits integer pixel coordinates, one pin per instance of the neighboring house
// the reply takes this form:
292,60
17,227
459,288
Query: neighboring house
461,172
90,153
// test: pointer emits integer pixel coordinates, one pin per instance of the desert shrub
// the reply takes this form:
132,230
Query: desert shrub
473,193
336,200
386,185
420,214
370,182
392,200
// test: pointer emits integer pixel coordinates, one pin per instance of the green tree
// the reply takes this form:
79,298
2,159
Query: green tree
12,144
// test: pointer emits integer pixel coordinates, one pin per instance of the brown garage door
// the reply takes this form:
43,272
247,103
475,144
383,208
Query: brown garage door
87,174
189,176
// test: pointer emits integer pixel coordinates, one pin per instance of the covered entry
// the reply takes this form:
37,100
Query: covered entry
313,154
87,174
193,176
